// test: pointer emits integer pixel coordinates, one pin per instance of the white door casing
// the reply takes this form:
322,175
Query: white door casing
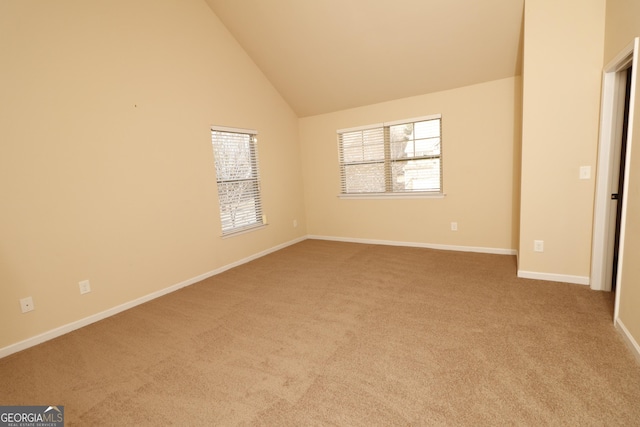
611,115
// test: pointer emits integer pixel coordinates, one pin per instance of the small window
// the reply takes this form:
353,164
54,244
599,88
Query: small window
236,160
397,158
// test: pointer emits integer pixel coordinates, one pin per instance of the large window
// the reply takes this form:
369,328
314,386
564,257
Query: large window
403,157
236,161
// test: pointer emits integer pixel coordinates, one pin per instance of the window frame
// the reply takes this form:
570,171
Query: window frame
387,161
253,179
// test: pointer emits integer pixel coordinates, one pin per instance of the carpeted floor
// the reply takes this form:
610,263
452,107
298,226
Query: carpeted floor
328,333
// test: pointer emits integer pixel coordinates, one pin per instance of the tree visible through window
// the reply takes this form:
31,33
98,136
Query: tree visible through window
400,157
237,176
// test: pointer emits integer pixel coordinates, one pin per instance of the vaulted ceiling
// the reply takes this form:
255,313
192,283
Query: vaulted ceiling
329,55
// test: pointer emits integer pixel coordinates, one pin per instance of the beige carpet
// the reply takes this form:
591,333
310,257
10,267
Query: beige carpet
326,333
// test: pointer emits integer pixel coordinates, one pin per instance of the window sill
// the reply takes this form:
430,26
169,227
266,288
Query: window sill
415,195
243,231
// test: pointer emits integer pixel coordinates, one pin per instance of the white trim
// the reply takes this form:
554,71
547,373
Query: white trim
391,123
233,130
550,277
358,128
600,243
629,338
413,120
627,171
54,333
497,251
600,249
413,195
245,230
622,60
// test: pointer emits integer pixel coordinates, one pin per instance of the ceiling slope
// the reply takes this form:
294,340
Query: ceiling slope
329,55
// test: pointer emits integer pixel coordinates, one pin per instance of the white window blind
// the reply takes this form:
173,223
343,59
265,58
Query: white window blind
236,161
392,158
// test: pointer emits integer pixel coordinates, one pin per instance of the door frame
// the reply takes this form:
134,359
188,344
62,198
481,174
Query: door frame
610,112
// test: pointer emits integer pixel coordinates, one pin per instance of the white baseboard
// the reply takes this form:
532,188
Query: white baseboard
629,338
497,251
54,333
579,280
550,277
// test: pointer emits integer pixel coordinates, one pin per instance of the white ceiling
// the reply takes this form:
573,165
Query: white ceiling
329,55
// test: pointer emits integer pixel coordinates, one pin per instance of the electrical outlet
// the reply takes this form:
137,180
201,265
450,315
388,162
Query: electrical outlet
454,226
85,287
295,223
26,304
538,245
585,172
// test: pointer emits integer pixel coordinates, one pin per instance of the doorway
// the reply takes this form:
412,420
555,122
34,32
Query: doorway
617,105
619,157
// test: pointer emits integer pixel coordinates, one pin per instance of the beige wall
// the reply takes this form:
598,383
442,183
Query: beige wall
623,25
481,139
106,166
563,46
